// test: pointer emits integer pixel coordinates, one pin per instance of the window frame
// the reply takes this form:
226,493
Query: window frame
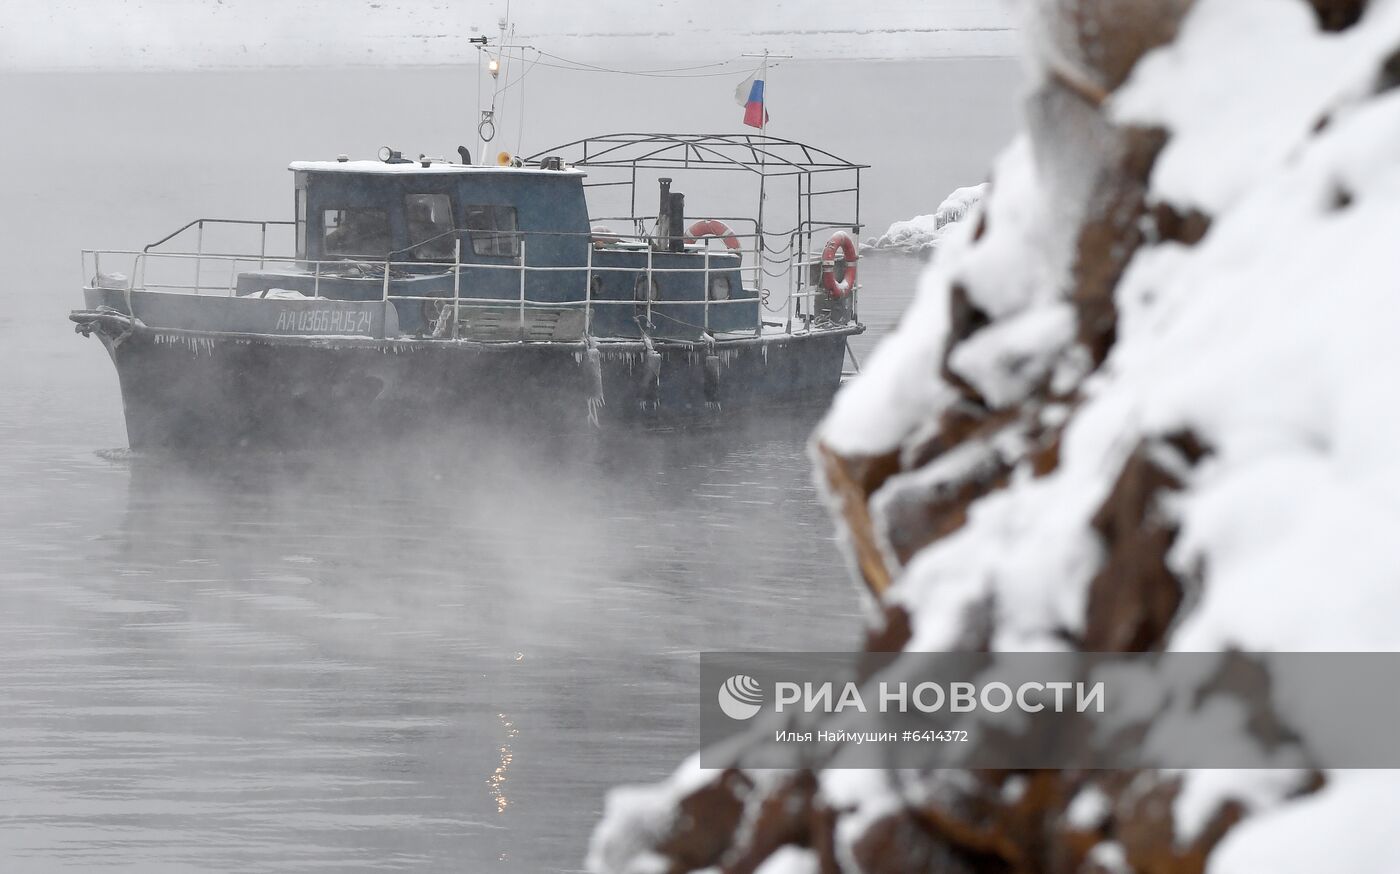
362,256
486,241
413,248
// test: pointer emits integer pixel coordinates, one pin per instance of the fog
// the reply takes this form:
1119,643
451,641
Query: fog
436,654
176,34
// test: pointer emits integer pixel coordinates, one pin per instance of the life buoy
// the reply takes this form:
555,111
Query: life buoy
839,240
713,228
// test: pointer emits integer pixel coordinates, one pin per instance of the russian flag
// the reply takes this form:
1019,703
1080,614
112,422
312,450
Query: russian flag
749,95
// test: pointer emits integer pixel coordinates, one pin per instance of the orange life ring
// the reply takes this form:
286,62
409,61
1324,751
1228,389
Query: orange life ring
843,241
713,228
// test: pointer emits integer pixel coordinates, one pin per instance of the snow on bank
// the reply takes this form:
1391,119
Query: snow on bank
1245,355
1271,339
637,817
922,233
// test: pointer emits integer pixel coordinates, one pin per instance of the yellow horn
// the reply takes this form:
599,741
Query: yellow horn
503,159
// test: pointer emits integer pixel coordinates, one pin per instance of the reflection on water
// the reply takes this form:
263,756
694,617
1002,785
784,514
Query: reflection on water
498,777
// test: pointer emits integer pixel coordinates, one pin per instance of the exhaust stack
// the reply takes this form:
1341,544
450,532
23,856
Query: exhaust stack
676,243
663,214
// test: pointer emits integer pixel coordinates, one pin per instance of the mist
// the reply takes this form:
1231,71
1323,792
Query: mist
437,651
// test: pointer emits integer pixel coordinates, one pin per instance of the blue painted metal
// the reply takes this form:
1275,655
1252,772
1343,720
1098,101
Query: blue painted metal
552,221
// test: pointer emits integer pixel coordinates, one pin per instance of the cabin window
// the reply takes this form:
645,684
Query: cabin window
719,287
493,230
356,232
429,219
301,222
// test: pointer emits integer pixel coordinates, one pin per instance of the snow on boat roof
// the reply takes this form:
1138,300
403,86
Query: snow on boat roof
416,167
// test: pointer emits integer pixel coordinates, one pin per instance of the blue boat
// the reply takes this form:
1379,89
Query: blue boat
404,290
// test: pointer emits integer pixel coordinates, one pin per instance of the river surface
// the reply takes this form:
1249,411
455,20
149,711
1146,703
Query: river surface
436,655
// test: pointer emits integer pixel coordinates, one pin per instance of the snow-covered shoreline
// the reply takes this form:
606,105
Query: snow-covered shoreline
1145,406
922,233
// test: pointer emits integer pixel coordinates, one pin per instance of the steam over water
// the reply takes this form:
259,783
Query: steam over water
435,655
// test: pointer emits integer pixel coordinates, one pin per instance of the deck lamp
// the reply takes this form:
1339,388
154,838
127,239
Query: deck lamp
392,156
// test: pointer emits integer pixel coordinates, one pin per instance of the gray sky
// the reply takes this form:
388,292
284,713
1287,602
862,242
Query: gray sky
166,34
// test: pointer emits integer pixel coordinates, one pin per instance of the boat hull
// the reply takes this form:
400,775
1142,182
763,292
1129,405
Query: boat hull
189,389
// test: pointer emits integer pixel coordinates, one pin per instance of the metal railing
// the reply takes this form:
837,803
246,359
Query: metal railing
199,224
801,308
751,256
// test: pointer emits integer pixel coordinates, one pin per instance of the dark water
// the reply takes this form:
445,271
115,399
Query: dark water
434,655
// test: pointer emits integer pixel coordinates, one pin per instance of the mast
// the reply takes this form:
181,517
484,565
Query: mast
763,169
497,65
762,245
481,42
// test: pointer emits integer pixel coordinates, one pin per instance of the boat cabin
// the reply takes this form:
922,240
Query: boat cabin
411,211
506,250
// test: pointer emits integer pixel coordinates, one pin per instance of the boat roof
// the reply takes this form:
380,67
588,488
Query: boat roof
757,153
416,167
